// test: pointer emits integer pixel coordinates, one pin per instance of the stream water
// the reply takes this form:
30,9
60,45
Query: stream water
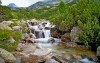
44,40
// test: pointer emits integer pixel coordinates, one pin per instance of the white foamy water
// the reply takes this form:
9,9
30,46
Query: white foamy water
47,41
44,42
86,60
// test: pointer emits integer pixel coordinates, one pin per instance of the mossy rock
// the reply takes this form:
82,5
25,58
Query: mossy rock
6,55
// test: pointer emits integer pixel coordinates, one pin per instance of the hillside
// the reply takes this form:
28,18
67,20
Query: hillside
12,5
49,3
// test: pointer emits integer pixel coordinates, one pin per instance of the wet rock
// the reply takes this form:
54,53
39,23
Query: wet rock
98,51
39,53
74,34
51,40
30,59
69,44
55,34
31,38
42,52
24,35
18,60
93,58
17,28
6,55
26,47
75,61
60,59
32,35
65,37
4,27
23,22
51,61
7,22
2,60
77,56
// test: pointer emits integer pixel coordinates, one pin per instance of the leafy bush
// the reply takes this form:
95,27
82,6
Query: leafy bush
9,46
17,35
5,34
90,34
24,28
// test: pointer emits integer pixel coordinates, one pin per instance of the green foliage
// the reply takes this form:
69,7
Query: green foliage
17,35
90,33
24,28
62,7
5,34
9,46
85,13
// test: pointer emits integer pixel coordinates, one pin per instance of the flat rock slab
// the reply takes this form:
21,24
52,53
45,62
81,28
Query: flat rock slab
42,52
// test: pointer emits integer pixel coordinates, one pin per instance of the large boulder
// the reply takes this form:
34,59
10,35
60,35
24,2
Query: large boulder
2,26
74,34
7,55
26,48
7,22
32,35
61,59
17,28
42,52
2,60
65,37
55,34
98,51
30,59
25,35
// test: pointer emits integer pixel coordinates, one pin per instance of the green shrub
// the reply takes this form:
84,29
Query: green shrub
9,46
90,34
17,35
5,34
24,28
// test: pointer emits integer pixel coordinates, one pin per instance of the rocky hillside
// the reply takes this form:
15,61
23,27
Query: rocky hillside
49,3
12,5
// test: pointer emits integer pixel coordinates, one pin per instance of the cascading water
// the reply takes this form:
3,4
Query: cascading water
44,39
46,33
43,34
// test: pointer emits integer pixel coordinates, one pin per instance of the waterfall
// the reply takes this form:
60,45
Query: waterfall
46,33
43,34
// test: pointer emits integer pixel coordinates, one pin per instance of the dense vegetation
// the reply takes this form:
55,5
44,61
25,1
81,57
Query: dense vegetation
84,13
6,35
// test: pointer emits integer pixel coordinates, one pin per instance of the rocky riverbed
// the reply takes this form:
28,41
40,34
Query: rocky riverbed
40,45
